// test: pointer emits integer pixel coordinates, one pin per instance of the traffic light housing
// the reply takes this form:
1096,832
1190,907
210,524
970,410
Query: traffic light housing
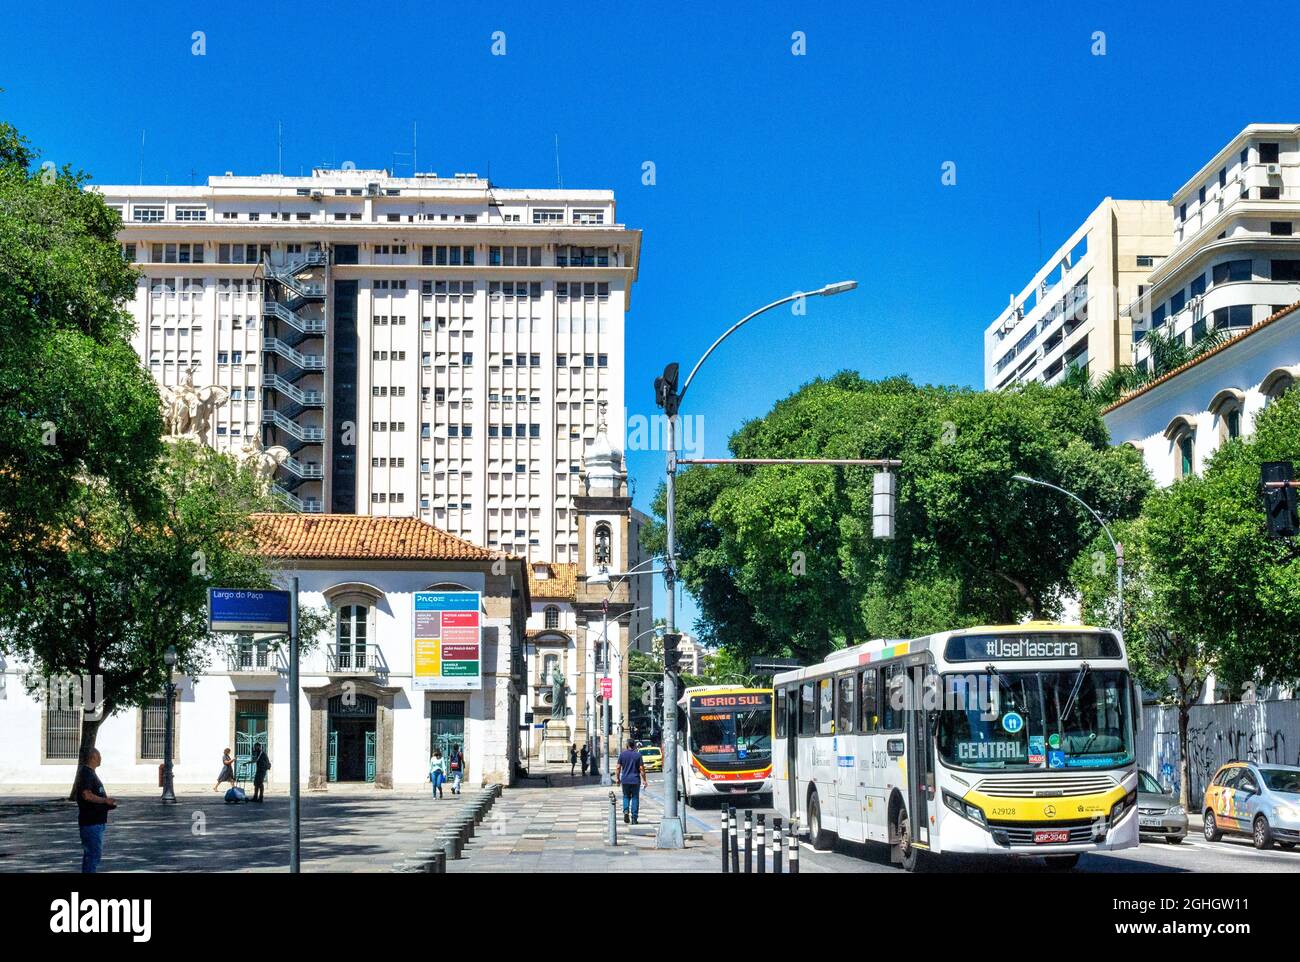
672,654
1279,500
666,390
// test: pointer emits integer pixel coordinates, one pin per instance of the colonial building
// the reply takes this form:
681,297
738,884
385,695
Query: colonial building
363,717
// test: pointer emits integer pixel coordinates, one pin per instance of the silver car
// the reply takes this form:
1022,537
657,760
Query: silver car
1159,812
1259,800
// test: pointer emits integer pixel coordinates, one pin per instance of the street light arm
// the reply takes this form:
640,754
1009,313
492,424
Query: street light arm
829,289
1087,507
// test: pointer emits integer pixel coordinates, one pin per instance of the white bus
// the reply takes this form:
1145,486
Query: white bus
724,741
1015,740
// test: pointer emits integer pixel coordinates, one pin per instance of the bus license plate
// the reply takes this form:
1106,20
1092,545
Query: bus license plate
1051,836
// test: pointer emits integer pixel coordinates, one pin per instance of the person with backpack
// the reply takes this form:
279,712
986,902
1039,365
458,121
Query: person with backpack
437,772
93,806
456,762
261,765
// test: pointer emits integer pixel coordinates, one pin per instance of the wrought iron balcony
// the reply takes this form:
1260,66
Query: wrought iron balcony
251,657
355,659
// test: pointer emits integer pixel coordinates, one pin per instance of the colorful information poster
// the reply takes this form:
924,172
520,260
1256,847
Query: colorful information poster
447,644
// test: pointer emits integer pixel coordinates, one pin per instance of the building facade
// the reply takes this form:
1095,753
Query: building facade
1069,314
1235,253
363,719
431,347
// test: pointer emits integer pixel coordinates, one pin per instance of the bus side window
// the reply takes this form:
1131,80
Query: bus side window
778,710
892,692
869,700
826,714
844,705
807,711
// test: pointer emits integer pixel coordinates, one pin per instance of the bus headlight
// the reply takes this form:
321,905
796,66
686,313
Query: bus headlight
965,809
1123,805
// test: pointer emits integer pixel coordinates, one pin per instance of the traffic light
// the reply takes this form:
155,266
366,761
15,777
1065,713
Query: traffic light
672,655
1279,494
666,390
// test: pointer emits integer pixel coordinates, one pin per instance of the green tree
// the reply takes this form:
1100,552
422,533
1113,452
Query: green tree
1207,589
782,559
121,585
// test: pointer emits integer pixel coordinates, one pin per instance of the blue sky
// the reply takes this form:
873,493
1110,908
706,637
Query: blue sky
774,172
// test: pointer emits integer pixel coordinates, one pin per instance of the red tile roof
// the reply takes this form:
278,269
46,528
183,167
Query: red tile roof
562,584
351,536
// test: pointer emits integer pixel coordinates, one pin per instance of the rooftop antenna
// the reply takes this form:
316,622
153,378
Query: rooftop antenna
559,181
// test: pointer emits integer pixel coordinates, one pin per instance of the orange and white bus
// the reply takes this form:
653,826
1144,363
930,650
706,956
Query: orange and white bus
724,742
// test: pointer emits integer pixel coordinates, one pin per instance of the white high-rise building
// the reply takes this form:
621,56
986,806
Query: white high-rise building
425,346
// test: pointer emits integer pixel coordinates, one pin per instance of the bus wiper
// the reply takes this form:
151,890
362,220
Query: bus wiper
1074,692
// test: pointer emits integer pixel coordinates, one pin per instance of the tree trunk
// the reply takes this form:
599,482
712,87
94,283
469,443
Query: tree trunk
1184,762
89,732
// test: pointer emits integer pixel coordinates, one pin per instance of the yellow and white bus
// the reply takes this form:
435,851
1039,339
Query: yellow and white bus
725,741
1015,740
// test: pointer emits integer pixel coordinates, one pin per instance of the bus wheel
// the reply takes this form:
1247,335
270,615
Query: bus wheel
910,858
1062,863
818,836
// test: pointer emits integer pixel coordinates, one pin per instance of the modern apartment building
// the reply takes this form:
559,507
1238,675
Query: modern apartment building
1235,253
1068,315
423,346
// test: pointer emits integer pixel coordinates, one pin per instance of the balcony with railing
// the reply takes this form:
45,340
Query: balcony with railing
354,658
248,656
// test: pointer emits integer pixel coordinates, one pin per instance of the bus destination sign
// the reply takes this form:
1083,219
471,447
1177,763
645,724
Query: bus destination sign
752,700
1039,646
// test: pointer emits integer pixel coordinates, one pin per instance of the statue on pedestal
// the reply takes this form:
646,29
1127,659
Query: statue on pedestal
559,692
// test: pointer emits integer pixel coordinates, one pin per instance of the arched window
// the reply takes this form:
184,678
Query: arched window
1277,384
1181,433
351,635
603,552
1227,407
552,617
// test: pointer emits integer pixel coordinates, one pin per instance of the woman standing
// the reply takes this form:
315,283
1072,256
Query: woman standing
227,770
437,772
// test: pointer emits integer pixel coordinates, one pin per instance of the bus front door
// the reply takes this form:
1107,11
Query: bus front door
920,757
791,709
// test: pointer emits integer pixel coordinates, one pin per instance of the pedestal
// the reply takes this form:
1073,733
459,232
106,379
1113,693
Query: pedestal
555,742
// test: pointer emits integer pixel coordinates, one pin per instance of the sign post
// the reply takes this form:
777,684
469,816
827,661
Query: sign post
295,812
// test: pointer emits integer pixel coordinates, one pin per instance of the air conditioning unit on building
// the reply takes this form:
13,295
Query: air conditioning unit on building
1273,170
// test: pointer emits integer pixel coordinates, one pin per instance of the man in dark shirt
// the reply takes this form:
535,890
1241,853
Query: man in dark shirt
93,804
631,775
261,765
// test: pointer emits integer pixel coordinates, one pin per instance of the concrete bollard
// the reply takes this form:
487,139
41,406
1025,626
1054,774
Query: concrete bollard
451,845
613,820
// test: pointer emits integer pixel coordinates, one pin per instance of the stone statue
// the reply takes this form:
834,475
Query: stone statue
262,461
187,409
559,702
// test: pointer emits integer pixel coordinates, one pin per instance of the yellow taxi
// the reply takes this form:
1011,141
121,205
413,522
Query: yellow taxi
653,758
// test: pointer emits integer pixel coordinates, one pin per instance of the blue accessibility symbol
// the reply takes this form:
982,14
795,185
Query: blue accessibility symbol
1013,722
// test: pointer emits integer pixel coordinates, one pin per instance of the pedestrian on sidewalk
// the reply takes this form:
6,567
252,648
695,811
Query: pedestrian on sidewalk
437,773
93,806
457,762
573,760
631,775
586,753
261,765
227,770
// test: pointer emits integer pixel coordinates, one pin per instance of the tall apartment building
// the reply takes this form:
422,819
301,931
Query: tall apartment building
1234,257
1069,314
425,346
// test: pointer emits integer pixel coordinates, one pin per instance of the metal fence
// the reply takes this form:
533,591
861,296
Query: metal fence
1265,731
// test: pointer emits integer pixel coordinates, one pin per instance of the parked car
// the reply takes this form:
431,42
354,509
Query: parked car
1259,800
653,759
1159,812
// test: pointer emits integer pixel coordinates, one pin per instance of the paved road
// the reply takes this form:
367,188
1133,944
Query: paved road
1194,854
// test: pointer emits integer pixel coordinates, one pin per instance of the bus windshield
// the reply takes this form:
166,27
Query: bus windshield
722,732
1031,720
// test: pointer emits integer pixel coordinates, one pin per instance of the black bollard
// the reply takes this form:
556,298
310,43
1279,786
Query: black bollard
762,844
735,842
776,845
749,841
726,827
794,852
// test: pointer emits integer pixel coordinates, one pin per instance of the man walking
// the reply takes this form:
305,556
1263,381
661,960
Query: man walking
261,765
93,805
586,753
631,775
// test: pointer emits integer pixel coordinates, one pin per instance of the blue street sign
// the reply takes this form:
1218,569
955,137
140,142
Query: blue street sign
248,610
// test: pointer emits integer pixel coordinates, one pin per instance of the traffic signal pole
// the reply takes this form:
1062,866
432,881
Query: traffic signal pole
671,833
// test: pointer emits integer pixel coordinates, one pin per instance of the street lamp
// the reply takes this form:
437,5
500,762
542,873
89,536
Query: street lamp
1117,546
169,732
668,397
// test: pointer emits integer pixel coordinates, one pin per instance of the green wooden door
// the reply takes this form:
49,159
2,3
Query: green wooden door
250,730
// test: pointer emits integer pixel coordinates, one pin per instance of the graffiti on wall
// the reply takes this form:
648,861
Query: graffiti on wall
1266,731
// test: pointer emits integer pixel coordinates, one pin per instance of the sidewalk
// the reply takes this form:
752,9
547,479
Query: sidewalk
564,829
